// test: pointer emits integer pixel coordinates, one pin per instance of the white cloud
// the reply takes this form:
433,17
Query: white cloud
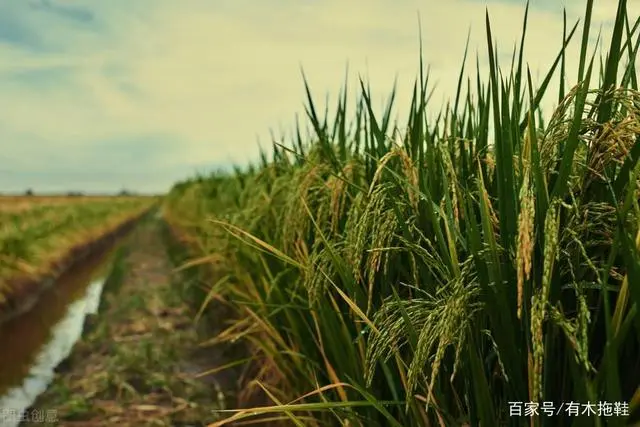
209,76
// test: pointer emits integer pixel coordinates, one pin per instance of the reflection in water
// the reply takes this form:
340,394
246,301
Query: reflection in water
63,336
34,343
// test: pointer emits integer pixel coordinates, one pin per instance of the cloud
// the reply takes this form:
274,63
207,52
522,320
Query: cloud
129,89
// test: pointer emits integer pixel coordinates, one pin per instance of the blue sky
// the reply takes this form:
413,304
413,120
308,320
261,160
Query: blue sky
96,96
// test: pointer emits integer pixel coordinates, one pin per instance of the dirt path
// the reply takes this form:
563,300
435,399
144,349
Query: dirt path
129,367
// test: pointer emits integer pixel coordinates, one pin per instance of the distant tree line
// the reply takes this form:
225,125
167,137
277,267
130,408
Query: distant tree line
124,192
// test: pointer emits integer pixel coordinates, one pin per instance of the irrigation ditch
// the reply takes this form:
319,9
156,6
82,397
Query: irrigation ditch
109,337
112,339
39,326
29,289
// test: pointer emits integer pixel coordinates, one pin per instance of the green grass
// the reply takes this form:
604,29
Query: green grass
429,274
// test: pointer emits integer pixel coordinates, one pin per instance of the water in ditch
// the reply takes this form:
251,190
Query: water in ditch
33,344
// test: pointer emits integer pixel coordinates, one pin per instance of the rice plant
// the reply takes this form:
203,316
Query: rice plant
446,271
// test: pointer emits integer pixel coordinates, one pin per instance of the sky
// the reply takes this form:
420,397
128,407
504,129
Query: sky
97,96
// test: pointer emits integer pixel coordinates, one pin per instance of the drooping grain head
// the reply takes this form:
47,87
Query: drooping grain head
526,217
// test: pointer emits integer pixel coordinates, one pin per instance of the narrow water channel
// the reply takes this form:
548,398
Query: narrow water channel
33,344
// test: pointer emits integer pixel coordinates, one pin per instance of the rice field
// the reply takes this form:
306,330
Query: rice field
40,237
440,272
20,203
